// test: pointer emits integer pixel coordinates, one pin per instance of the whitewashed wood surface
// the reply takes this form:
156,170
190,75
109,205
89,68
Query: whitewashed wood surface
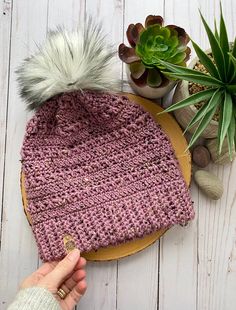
190,268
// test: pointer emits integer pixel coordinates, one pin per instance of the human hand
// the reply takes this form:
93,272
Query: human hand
68,274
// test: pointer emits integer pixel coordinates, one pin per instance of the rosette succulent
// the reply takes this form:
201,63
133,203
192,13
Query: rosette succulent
220,82
150,44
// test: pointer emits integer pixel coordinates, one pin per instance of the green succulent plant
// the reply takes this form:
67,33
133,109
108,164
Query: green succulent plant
151,43
220,94
158,42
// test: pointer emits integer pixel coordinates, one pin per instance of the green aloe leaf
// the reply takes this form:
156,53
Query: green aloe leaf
195,98
216,50
232,73
200,79
216,31
178,70
219,128
226,118
224,42
231,136
214,101
206,61
199,114
202,125
234,48
231,88
232,70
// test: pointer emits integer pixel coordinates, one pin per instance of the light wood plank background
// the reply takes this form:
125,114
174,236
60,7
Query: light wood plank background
190,268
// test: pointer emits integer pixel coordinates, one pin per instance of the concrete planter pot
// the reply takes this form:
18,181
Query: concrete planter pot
150,92
185,115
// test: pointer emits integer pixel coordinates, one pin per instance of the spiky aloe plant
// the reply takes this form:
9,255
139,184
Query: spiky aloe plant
149,44
220,94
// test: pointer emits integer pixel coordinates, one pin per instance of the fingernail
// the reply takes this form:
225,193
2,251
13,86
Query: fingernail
73,255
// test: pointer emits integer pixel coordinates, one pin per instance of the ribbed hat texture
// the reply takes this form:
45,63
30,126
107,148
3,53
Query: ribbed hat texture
97,167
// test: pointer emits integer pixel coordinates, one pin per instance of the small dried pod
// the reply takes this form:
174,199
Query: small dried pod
69,243
201,156
209,183
223,158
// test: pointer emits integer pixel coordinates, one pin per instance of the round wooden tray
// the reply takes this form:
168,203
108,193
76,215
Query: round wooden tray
172,129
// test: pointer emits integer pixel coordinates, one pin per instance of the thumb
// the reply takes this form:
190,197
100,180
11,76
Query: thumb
63,268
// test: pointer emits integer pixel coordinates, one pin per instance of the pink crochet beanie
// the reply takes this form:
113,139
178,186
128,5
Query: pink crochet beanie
97,167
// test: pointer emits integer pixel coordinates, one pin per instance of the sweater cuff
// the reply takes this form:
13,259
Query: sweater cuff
34,298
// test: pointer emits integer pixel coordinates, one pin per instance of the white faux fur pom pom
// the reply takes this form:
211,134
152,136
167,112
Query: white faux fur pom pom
68,61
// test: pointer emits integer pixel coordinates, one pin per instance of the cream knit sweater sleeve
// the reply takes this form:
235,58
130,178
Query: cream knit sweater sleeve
34,298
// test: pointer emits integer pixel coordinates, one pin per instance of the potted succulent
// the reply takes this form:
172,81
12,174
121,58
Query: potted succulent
217,98
149,44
